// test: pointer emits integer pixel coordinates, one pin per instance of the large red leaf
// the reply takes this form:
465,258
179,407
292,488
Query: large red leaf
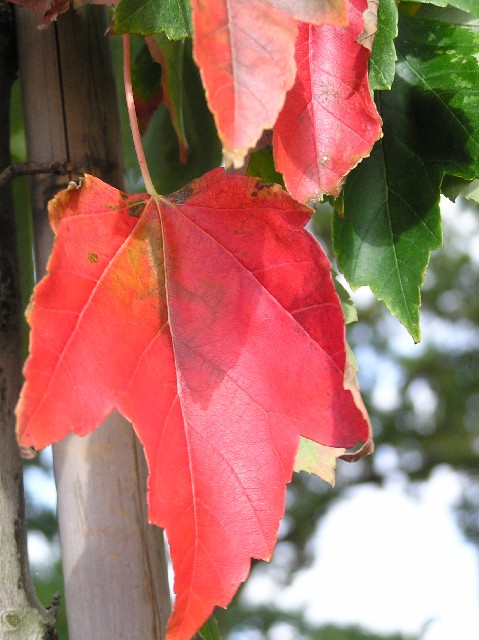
210,321
329,121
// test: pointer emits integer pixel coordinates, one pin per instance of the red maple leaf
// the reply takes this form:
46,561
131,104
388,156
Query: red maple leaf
329,121
245,52
210,321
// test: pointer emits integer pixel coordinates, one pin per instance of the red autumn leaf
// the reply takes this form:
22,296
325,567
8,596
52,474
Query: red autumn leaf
211,322
315,11
245,52
329,121
51,9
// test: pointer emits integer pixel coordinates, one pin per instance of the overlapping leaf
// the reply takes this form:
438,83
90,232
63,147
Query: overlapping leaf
382,64
149,17
315,11
51,9
209,320
170,54
391,220
161,142
146,80
317,459
261,165
471,6
329,121
454,187
245,51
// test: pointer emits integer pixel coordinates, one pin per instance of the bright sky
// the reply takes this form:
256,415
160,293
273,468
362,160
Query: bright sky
389,562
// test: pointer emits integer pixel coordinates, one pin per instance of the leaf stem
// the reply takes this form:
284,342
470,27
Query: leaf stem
135,131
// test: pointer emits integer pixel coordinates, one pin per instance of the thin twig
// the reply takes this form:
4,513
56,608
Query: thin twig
33,168
135,131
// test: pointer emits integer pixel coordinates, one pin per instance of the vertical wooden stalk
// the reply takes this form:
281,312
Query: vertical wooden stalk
114,562
21,616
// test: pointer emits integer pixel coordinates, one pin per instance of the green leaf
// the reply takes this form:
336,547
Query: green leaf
317,459
261,165
471,6
210,630
170,54
382,64
439,79
448,14
347,305
390,224
161,142
391,219
148,17
147,89
453,187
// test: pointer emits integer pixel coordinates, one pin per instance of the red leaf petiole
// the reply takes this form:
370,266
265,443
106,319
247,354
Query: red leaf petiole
135,131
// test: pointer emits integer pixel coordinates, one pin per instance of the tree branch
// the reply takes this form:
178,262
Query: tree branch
33,168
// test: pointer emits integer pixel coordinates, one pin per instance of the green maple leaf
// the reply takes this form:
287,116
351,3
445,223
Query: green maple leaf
391,219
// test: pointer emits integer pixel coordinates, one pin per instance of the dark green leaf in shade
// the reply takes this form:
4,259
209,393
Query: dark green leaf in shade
147,89
148,17
391,218
210,630
471,6
438,89
382,64
453,187
446,14
261,165
161,142
170,54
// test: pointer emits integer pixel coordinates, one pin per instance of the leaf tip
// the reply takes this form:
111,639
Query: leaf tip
364,450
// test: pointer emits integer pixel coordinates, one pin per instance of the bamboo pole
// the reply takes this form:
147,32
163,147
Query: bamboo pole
114,562
21,615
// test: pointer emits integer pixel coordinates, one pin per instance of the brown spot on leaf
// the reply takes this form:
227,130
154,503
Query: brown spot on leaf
135,209
182,195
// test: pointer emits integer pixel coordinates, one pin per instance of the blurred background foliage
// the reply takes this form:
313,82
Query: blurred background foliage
423,399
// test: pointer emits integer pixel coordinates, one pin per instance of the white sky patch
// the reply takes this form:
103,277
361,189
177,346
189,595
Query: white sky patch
42,553
389,562
42,486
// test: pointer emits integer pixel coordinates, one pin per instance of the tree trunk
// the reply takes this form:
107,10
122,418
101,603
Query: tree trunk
114,562
21,616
